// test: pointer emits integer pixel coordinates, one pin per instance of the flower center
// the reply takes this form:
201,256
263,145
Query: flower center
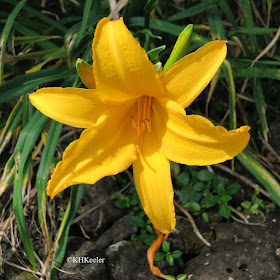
143,118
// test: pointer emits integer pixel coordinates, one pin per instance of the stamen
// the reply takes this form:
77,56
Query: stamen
149,124
143,118
133,121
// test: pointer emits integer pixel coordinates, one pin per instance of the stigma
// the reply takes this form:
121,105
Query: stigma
143,120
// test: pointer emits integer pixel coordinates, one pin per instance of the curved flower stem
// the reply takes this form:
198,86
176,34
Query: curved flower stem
151,253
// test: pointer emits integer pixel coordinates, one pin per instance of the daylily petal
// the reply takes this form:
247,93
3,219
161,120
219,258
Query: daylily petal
194,140
187,78
152,179
72,106
106,148
121,67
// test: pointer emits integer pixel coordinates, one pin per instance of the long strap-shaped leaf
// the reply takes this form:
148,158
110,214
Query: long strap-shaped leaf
259,172
62,236
26,141
5,34
43,175
256,84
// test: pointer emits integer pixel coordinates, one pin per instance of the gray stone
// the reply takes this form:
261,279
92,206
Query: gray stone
99,220
240,252
120,230
129,262
84,261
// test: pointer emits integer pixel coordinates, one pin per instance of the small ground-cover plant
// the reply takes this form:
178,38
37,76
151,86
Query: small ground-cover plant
256,204
202,189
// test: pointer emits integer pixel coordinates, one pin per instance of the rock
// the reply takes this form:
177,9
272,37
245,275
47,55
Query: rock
83,261
120,230
129,262
184,239
240,252
17,274
100,219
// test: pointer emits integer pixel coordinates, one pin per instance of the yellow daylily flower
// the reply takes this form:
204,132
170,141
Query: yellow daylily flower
136,116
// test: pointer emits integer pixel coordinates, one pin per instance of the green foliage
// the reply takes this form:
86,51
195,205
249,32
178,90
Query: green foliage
201,190
172,257
256,204
169,256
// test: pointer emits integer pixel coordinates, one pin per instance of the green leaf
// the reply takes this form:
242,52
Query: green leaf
210,200
246,8
20,85
256,72
121,203
194,10
183,179
153,54
225,198
169,258
193,205
159,256
262,175
233,189
246,204
5,34
215,21
205,175
87,8
181,277
176,254
252,31
260,105
137,221
63,232
187,194
149,229
220,189
199,187
165,246
227,69
25,144
224,210
43,176
205,217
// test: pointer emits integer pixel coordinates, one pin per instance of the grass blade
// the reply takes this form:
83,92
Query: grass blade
26,83
11,125
8,175
72,207
192,11
261,174
215,21
260,105
43,176
232,94
26,141
248,19
256,72
5,35
84,21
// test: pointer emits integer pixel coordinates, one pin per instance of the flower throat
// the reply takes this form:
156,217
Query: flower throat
143,118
